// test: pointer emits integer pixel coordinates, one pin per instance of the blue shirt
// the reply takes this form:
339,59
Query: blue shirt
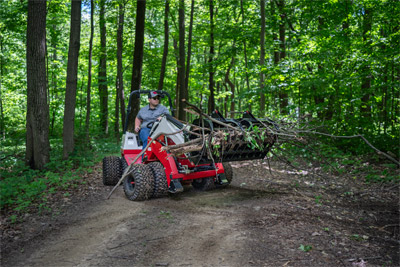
148,115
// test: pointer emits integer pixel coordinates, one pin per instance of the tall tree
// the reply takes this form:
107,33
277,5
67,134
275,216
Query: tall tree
137,59
2,125
231,86
245,51
262,58
274,34
317,92
37,116
120,81
177,91
181,61
366,78
165,51
211,101
102,78
283,95
89,83
189,53
54,79
72,78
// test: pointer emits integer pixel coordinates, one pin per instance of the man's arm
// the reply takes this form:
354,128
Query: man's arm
138,122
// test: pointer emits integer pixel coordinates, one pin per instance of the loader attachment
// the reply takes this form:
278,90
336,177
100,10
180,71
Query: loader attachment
247,138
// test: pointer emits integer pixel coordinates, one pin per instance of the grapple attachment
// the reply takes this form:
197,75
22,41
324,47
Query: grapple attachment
247,138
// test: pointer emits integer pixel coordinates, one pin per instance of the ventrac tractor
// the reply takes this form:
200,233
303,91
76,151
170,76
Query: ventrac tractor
157,172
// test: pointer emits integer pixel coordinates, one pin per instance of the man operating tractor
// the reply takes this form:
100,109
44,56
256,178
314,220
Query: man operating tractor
148,115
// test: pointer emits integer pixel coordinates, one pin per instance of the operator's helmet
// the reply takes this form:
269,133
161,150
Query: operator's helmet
154,94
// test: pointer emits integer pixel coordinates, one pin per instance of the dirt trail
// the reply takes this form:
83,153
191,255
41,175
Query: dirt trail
258,221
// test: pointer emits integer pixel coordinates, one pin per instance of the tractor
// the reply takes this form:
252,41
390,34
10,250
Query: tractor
157,172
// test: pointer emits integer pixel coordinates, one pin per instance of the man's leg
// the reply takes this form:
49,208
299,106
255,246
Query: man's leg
143,135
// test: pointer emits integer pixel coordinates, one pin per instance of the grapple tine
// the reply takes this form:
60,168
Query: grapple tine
251,140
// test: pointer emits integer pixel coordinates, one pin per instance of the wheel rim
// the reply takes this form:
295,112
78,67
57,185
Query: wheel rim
130,183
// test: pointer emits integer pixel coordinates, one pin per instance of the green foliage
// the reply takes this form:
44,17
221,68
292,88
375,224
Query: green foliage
305,248
335,72
24,189
331,158
166,215
357,237
318,200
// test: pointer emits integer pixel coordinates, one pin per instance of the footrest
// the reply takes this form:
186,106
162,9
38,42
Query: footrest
221,179
175,186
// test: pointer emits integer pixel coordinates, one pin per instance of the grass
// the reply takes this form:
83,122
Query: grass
23,189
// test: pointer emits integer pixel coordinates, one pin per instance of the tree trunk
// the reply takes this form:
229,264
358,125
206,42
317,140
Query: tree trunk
274,35
181,64
262,58
165,52
245,53
211,100
189,53
366,80
226,101
116,122
275,46
72,78
2,126
177,92
120,81
53,95
218,101
137,59
283,96
103,88
37,116
231,86
89,83
318,92
232,107
385,90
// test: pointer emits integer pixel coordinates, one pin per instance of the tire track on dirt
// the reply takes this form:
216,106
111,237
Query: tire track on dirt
188,230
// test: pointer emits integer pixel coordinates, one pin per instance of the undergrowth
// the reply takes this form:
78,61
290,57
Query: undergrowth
23,189
369,167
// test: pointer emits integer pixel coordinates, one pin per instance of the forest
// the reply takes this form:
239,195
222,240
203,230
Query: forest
67,68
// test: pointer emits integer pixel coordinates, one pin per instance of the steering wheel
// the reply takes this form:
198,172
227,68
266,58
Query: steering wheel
150,125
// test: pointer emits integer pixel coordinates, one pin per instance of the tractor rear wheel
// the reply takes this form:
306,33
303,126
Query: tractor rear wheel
124,164
160,180
139,184
111,170
204,184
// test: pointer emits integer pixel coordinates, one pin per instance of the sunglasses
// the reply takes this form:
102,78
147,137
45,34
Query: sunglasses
156,98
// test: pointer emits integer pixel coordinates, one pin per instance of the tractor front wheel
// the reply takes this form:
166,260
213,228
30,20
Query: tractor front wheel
111,170
228,172
204,184
139,184
160,180
228,175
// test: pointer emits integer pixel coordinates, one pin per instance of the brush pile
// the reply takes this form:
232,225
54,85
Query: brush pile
216,139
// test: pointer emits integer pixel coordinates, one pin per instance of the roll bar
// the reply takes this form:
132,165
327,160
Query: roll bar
137,94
